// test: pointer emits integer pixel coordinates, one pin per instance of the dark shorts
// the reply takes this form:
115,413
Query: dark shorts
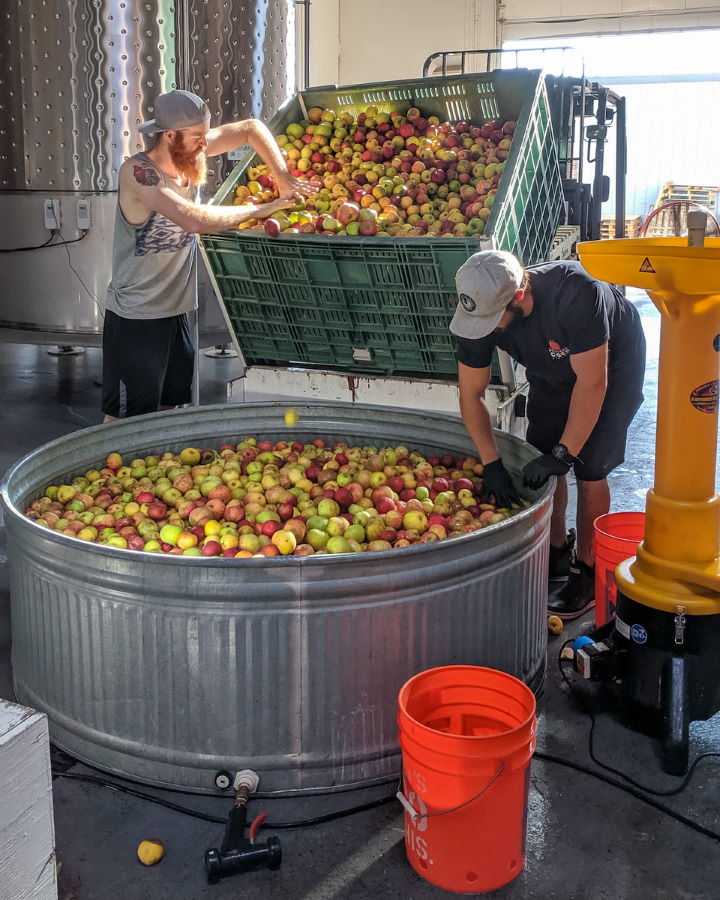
604,450
147,364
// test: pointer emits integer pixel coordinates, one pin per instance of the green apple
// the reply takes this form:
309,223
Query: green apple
354,533
328,508
337,525
317,522
316,537
338,544
267,515
170,534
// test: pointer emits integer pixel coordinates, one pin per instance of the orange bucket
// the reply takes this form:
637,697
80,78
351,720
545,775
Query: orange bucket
616,537
467,735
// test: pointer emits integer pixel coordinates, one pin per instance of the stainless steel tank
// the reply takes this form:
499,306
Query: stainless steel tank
168,669
76,79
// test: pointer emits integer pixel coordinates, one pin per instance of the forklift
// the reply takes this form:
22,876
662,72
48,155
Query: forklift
583,113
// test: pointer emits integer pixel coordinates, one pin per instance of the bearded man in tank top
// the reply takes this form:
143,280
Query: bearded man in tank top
148,354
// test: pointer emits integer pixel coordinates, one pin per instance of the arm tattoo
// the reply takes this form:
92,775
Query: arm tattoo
146,175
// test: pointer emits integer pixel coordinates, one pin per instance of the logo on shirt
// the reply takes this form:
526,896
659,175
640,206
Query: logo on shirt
467,303
160,235
556,351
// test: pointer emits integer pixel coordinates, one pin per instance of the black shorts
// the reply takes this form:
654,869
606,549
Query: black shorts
604,450
147,364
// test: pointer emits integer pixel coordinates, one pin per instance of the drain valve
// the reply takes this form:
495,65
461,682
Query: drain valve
238,853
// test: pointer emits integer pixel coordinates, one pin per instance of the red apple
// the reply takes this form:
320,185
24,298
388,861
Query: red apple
461,484
343,497
285,511
156,510
384,505
270,527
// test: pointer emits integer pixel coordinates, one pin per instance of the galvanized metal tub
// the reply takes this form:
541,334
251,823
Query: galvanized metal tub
169,669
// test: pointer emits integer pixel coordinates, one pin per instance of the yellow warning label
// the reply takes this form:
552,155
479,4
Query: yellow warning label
646,266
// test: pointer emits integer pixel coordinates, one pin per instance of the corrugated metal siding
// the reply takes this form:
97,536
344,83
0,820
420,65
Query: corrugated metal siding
673,133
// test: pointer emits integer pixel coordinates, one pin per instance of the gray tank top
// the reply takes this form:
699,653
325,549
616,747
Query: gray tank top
154,273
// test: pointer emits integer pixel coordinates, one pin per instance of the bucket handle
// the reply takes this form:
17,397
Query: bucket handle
416,815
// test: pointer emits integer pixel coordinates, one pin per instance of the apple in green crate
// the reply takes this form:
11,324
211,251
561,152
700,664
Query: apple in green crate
368,222
329,224
272,227
347,213
382,161
476,226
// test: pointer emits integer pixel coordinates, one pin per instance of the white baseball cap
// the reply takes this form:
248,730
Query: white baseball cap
485,283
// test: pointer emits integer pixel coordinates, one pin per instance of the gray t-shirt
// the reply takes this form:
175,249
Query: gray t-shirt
154,272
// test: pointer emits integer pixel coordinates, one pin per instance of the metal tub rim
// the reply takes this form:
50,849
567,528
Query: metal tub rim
11,507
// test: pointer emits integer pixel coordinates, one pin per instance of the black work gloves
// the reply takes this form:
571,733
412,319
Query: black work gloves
537,471
497,482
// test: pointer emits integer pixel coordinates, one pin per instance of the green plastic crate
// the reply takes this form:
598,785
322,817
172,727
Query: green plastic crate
383,305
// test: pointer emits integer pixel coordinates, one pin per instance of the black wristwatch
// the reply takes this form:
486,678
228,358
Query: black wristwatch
562,454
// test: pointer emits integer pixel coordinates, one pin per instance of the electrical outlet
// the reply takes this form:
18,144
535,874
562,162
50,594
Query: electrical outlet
83,214
51,213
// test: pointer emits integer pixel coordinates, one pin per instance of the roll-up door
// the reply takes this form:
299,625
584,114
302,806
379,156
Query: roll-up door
544,18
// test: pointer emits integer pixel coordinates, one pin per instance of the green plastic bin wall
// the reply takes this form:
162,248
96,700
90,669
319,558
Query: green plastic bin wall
383,305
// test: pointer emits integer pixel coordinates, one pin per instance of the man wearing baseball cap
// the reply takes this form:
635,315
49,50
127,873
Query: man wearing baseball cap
148,355
583,349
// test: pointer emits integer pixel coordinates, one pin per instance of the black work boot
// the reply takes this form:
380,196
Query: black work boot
561,558
577,595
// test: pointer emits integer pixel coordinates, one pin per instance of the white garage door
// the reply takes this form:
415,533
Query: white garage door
542,18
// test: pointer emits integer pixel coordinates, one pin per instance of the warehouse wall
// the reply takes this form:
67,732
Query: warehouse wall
379,40
375,40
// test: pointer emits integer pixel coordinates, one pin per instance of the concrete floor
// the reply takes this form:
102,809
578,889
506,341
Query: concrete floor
586,839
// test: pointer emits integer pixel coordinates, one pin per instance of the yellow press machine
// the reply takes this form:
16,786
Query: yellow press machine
666,634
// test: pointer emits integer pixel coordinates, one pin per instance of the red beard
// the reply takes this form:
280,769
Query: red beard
191,164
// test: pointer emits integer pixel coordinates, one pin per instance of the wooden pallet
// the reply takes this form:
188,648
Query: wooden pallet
707,195
565,242
632,227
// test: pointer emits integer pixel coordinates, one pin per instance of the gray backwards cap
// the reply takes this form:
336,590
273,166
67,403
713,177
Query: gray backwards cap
176,110
485,283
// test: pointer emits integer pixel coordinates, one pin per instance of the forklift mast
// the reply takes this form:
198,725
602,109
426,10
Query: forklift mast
583,112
